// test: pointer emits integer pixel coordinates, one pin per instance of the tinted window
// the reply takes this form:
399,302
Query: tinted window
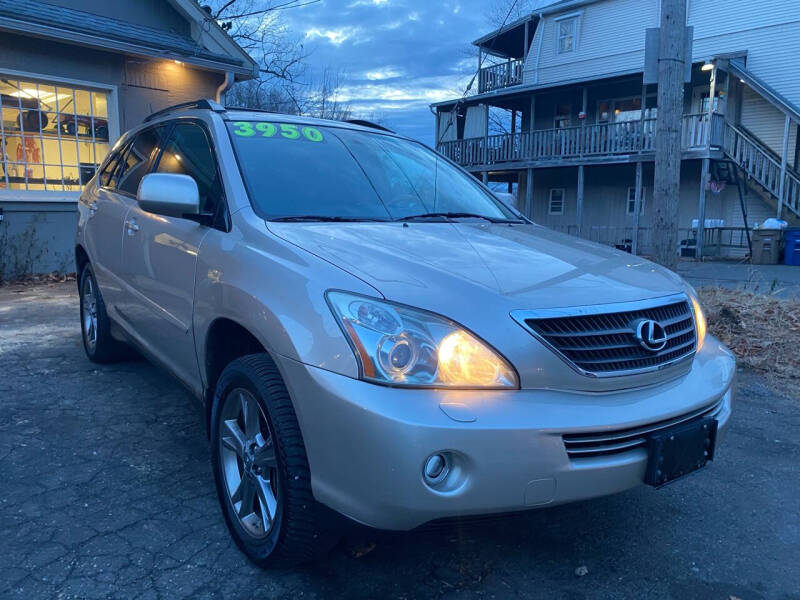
188,152
296,170
108,168
137,159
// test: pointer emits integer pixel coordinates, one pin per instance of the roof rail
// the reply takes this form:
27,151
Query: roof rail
203,103
364,123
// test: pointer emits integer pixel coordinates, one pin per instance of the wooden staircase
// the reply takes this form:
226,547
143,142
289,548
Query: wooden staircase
763,167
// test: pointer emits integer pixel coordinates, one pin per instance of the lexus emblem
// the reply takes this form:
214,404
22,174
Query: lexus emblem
651,335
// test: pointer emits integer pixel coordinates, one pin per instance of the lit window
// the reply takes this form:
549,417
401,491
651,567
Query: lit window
52,137
556,206
567,35
631,204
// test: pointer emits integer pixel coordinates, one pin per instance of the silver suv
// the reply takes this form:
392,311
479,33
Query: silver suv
371,331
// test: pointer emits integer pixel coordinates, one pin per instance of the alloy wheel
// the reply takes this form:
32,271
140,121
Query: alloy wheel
248,462
89,312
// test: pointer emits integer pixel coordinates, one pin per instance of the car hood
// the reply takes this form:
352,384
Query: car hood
439,265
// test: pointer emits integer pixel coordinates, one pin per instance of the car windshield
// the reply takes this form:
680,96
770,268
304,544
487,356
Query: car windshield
299,172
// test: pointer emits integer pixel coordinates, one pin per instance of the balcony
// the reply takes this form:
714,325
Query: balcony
500,76
588,143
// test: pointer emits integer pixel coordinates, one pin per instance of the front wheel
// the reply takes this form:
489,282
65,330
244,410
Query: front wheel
261,470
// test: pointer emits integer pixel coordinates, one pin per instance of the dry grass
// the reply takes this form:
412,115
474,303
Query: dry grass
763,331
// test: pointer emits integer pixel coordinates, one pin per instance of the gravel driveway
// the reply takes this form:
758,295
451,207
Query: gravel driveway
106,491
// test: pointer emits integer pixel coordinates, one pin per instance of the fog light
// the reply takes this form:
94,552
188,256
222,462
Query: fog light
435,468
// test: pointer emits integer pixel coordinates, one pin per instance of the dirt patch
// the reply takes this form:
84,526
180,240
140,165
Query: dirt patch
28,280
763,331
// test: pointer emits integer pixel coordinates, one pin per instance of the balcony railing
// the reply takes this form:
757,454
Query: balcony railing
571,143
500,76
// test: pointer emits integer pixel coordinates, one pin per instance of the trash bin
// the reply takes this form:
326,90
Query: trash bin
766,246
792,253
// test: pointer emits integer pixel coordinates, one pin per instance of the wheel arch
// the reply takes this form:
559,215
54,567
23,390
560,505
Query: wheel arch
81,260
225,341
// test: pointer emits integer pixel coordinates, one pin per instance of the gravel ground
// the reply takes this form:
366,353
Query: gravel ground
106,492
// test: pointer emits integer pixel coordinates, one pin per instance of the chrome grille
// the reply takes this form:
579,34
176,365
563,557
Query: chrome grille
602,342
587,445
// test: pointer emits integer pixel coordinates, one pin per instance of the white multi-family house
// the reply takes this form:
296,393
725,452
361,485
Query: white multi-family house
578,145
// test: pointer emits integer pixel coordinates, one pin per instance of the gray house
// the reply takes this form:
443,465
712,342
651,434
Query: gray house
74,75
578,144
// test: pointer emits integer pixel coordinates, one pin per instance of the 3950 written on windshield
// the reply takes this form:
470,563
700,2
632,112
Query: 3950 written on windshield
268,130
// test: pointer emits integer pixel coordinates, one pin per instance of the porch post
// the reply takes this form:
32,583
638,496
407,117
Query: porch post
580,200
486,134
701,210
529,194
784,158
712,92
637,208
485,177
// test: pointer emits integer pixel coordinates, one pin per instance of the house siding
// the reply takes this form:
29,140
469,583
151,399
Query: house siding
605,217
598,52
767,123
770,35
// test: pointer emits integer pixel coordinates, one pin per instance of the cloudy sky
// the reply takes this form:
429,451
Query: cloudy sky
396,56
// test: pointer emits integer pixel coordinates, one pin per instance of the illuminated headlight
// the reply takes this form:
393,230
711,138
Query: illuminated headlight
699,317
398,345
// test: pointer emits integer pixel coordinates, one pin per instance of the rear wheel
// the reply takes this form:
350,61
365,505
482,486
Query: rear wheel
261,469
98,343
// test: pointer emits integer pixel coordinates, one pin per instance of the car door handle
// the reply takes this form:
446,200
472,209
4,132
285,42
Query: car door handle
132,227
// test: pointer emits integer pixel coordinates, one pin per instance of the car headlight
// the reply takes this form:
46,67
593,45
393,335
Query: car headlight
699,317
398,345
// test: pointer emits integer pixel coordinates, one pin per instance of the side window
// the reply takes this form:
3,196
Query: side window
137,159
188,152
108,168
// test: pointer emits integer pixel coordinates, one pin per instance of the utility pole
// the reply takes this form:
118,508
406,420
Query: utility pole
666,192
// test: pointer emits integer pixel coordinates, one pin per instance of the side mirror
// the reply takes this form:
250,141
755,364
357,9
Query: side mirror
169,194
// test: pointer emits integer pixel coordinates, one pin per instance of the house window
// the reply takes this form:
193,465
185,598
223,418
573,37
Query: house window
52,137
563,117
631,204
567,35
556,205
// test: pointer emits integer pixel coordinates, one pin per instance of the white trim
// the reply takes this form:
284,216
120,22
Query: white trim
550,201
571,15
629,199
112,105
576,28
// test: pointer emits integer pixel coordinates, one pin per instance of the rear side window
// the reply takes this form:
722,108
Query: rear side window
137,159
188,152
108,168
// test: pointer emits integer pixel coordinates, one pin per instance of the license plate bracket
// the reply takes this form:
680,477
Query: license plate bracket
680,450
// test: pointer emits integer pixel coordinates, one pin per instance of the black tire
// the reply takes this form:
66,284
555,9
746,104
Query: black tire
105,349
301,530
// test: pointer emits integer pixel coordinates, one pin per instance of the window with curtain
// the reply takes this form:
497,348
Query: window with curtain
52,136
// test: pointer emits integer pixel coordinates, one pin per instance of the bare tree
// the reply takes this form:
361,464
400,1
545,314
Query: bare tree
322,98
256,25
508,11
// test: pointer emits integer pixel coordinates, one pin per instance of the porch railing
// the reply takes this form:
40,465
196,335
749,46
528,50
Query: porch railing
604,139
760,164
500,76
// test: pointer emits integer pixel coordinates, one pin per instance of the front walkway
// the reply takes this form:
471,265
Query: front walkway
781,280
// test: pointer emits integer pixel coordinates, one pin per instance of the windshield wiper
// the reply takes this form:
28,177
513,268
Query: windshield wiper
456,215
324,218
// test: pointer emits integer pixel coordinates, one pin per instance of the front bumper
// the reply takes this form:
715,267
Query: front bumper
367,444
